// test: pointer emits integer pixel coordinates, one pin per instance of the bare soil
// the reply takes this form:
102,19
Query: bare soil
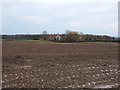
28,64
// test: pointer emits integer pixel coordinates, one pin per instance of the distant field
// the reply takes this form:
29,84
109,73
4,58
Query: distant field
42,41
44,64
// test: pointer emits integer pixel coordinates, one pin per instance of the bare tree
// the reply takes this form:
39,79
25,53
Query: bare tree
45,36
67,31
81,33
44,32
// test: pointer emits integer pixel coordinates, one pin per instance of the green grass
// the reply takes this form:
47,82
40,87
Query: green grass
42,41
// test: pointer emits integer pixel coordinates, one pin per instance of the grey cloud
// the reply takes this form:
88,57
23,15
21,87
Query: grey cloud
35,17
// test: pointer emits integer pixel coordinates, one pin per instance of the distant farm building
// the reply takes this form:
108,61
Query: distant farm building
54,37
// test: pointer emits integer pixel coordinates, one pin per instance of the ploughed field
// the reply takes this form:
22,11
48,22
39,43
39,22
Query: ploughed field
34,64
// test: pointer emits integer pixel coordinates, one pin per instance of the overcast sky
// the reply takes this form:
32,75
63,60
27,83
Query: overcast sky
54,16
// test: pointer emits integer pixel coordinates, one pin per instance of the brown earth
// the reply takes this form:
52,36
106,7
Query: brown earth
28,64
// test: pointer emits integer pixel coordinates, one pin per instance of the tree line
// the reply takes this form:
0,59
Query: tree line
73,36
68,36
